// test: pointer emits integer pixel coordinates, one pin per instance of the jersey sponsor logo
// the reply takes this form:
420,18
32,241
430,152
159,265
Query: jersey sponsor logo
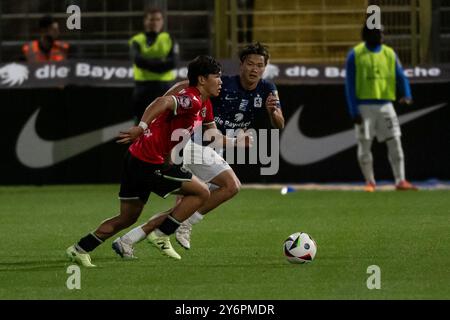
35,152
227,124
219,121
233,125
298,149
238,117
184,102
13,74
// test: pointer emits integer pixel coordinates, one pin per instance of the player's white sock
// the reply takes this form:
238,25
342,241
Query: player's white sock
365,159
195,218
159,233
134,236
396,158
79,249
212,186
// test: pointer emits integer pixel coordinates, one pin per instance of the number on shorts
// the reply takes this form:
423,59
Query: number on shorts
389,123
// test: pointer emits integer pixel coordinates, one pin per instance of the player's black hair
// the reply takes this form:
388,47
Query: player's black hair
46,21
202,66
254,48
372,36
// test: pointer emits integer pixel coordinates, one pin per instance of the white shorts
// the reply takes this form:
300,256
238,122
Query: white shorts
203,162
378,120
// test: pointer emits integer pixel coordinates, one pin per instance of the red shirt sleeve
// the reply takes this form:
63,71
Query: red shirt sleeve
209,118
186,103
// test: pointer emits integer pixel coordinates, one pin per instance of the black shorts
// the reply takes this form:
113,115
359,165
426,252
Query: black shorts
140,178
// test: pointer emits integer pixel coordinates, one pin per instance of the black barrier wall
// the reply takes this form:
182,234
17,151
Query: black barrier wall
67,136
318,143
44,142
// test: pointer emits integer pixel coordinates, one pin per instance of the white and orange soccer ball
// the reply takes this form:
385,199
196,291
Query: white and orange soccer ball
300,248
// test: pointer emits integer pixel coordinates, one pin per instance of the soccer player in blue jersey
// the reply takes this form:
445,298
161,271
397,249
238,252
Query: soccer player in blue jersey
246,101
374,76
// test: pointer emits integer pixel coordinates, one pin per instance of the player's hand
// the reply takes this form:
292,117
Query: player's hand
130,135
405,101
357,120
244,139
272,103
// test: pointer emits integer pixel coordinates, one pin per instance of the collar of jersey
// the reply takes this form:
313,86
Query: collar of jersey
238,79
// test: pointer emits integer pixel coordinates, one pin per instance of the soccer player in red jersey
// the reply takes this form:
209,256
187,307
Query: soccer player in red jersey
147,167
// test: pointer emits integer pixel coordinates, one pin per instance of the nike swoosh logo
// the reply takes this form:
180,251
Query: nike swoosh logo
298,149
35,152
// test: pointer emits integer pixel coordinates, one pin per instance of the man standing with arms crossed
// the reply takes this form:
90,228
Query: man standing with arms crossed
153,53
374,74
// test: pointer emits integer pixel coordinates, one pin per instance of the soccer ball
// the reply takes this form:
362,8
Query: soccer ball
300,248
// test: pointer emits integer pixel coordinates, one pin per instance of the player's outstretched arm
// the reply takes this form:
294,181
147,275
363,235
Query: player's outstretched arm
158,106
243,139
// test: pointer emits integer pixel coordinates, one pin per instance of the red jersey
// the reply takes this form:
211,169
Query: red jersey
155,144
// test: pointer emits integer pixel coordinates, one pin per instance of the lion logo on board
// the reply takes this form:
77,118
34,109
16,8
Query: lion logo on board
13,74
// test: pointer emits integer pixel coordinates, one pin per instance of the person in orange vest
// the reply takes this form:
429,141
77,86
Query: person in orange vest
47,48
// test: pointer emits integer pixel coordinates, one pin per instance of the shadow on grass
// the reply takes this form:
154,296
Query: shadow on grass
34,265
41,265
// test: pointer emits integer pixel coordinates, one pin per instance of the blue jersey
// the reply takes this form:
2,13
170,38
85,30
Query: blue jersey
236,108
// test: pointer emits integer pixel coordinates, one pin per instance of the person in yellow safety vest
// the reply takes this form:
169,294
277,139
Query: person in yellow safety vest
374,75
47,48
154,55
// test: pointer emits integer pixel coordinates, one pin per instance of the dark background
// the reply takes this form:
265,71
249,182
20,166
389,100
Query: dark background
73,110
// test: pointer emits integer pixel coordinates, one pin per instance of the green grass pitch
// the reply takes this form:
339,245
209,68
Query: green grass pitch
237,250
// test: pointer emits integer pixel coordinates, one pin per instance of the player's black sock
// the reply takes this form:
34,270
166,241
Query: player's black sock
169,225
89,242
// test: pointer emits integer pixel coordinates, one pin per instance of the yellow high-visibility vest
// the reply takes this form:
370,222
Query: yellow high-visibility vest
375,73
159,49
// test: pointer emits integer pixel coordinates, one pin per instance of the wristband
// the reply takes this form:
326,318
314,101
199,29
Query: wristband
143,125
